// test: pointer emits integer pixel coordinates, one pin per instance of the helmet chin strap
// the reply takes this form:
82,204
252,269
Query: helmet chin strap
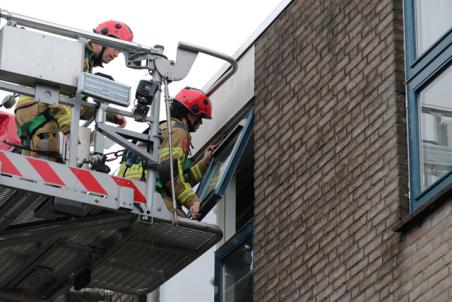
98,59
191,125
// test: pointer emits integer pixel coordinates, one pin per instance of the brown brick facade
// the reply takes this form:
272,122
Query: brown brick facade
331,161
425,260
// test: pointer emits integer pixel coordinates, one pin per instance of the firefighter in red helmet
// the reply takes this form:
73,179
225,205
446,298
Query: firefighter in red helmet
113,29
188,109
39,123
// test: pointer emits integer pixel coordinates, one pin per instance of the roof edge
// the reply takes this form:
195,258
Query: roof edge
249,42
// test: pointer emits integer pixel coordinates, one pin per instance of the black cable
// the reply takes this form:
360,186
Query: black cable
42,152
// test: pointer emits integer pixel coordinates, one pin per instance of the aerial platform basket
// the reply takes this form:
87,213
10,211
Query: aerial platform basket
62,226
43,252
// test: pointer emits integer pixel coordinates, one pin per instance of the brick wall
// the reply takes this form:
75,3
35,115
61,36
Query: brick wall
425,260
330,151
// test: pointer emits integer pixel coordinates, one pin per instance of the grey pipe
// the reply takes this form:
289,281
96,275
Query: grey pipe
216,54
73,32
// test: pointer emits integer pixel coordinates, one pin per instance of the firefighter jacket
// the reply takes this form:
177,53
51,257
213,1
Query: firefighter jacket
60,115
185,174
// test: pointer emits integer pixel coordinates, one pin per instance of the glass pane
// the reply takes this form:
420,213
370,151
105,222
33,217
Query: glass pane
436,129
244,198
237,272
221,162
433,19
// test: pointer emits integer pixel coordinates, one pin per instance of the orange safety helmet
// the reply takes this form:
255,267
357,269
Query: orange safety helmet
115,29
196,101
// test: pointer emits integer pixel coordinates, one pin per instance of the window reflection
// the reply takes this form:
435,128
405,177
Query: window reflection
432,21
237,274
221,162
436,129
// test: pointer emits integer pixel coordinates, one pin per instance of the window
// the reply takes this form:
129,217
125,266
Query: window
224,163
244,187
432,21
428,38
435,102
230,175
234,268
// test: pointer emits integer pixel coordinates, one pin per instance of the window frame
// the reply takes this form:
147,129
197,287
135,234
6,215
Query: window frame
225,250
212,197
420,72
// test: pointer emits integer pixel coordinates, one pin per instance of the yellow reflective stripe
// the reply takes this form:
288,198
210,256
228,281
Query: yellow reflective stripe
133,172
196,172
68,110
185,195
177,153
133,176
25,98
180,163
64,120
175,149
122,169
164,156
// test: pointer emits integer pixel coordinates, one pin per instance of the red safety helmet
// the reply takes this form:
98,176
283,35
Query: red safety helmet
115,29
196,101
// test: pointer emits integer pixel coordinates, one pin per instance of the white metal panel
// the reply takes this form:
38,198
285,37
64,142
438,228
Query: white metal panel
54,179
28,57
228,100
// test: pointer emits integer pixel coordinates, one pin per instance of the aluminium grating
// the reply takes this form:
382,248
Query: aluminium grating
118,297
58,258
27,215
138,256
126,255
98,295
5,195
12,259
156,254
13,206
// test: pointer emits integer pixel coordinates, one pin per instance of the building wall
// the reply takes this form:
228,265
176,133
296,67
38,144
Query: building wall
330,158
425,260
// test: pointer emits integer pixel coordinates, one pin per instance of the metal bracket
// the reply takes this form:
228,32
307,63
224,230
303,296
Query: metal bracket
47,94
157,210
176,71
141,60
122,136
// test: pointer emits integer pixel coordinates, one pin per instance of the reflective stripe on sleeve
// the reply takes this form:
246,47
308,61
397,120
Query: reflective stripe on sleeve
64,120
185,195
196,172
180,163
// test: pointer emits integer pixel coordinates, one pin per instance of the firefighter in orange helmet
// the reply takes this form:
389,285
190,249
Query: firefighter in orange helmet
39,123
188,109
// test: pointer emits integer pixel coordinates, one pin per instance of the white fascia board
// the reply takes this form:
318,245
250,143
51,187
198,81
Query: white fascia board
228,100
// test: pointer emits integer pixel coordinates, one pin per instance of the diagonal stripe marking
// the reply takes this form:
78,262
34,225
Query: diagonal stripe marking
137,195
7,166
45,171
88,181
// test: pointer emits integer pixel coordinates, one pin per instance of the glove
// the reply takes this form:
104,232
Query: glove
122,122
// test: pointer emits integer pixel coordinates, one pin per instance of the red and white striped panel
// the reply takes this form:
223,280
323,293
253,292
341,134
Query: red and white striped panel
50,173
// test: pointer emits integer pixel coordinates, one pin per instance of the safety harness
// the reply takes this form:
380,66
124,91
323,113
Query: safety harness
162,176
26,131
